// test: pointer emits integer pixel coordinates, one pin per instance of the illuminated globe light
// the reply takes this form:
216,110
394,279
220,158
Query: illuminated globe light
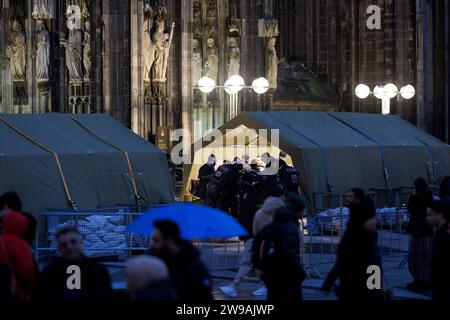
378,92
390,91
408,92
235,84
362,91
261,85
206,85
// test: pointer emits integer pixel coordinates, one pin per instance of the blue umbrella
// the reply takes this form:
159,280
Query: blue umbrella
195,222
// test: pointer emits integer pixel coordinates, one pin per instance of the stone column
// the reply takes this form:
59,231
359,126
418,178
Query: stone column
186,77
7,85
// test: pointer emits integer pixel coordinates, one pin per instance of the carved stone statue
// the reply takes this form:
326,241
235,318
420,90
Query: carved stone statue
42,52
74,45
41,10
149,48
272,63
162,43
197,62
87,51
16,52
234,65
212,62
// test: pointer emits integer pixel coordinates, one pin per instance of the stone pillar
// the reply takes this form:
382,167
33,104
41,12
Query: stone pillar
186,77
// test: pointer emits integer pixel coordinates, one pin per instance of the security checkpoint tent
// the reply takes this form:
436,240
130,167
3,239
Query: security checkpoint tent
89,159
338,151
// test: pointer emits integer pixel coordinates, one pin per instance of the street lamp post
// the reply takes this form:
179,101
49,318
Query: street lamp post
233,86
385,94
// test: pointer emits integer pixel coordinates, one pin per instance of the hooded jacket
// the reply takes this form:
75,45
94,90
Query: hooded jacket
16,253
264,216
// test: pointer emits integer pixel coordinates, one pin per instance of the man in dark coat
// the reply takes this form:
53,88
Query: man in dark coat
284,278
357,251
188,273
437,217
94,277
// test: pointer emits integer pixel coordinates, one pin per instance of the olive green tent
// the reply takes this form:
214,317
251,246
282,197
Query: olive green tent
60,162
336,151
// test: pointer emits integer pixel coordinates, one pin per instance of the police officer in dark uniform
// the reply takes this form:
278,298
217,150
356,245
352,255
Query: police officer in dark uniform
289,176
204,175
223,188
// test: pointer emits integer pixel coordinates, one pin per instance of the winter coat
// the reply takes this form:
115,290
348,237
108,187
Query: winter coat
357,251
264,216
204,175
189,275
16,253
440,264
417,207
95,282
161,290
249,203
284,231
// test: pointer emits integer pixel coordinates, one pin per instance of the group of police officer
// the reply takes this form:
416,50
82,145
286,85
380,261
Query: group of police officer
239,187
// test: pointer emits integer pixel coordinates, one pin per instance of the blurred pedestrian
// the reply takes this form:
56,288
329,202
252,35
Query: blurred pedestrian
147,278
6,284
94,278
16,253
438,218
444,190
250,200
421,235
188,273
276,252
9,202
357,251
353,196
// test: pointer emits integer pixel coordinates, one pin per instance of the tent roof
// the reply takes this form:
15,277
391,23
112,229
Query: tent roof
344,150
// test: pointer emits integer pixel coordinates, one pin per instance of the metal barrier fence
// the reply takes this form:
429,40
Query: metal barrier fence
105,238
322,233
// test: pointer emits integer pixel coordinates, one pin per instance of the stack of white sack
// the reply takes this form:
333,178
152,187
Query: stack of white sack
98,232
337,219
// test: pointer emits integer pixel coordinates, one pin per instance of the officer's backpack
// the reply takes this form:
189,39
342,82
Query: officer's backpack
219,181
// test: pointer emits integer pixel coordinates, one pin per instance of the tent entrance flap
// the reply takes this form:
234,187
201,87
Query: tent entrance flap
54,154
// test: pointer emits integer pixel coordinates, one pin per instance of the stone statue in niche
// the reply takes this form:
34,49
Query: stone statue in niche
272,63
74,44
85,13
87,51
211,10
234,65
197,62
148,47
16,52
42,52
162,42
212,62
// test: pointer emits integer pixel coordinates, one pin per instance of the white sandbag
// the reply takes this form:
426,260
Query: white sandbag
116,220
93,238
114,237
97,220
101,233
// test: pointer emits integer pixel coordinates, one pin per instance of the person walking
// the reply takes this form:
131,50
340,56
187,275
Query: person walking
421,236
276,252
354,196
438,218
95,281
147,278
188,273
246,266
357,251
16,254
